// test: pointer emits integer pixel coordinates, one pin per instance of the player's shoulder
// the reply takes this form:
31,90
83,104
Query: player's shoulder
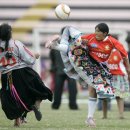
17,42
112,38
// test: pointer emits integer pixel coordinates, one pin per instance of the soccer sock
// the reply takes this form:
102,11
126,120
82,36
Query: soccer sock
91,106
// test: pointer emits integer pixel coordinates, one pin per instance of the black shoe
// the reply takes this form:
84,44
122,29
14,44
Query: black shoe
55,106
38,114
73,107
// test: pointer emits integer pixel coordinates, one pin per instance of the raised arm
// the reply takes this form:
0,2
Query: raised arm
54,43
62,42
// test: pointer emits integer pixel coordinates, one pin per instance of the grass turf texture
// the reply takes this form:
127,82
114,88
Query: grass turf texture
66,119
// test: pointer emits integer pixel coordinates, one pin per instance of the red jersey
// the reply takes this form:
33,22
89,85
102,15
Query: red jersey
101,50
115,63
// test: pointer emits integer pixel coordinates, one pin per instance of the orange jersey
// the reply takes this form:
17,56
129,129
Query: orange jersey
115,63
101,50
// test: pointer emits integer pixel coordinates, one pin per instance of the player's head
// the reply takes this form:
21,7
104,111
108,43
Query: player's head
5,35
5,32
101,31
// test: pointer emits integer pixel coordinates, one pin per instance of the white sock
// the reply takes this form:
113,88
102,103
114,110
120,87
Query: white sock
92,102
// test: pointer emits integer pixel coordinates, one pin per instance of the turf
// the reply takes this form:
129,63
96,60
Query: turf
66,119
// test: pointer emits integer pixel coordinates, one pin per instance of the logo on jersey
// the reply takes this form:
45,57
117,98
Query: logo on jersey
107,47
101,55
115,58
94,45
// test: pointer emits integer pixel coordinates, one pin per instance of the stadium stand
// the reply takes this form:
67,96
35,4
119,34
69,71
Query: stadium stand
25,15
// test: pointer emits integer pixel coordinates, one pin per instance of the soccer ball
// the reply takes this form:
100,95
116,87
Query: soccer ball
62,11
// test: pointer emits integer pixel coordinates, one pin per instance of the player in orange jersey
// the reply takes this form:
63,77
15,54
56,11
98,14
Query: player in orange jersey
100,46
85,59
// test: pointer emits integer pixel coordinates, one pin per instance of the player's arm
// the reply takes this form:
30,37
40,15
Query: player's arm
25,54
53,43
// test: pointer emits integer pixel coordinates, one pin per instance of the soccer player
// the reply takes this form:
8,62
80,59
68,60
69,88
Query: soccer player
22,88
85,59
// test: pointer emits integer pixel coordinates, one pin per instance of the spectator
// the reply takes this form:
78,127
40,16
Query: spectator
59,80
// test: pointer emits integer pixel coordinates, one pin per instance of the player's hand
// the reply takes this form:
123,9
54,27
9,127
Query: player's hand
37,55
51,41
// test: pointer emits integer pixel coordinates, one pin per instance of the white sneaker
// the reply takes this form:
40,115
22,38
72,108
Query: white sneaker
90,122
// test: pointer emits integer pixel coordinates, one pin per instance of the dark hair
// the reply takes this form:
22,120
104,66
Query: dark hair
128,37
5,35
103,27
62,30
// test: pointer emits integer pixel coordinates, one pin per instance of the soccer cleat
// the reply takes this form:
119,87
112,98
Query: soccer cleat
90,122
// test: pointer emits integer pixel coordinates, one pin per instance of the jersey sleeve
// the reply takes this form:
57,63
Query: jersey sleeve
24,53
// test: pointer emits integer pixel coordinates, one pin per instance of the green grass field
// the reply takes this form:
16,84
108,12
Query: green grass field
65,119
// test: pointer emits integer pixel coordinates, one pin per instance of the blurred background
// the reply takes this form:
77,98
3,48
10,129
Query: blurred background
33,21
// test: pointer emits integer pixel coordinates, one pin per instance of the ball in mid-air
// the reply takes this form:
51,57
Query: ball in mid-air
62,11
